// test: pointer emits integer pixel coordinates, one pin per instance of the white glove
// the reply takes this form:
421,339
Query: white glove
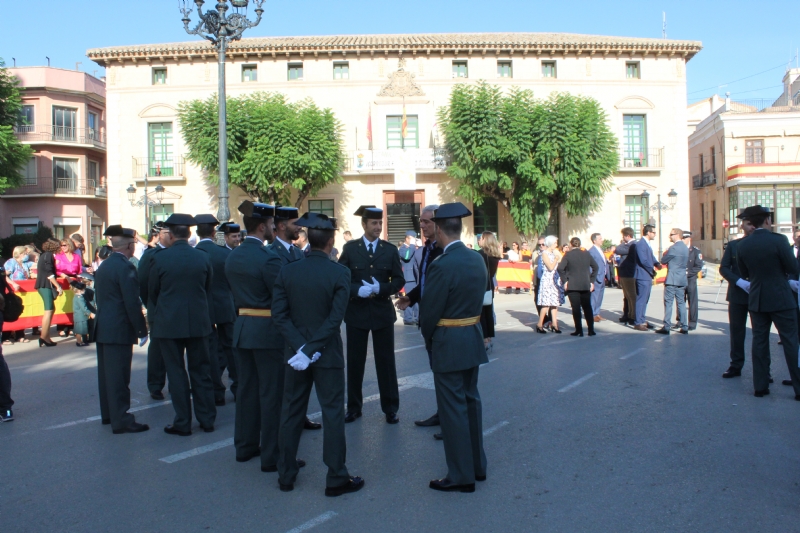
744,285
300,361
794,284
365,291
316,357
376,287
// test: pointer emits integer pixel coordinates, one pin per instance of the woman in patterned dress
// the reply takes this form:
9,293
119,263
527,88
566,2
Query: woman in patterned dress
550,292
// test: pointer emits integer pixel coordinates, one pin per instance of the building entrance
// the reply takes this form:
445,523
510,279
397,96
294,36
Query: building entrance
402,213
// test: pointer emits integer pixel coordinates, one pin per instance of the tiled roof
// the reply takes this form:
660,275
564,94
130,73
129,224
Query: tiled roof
561,43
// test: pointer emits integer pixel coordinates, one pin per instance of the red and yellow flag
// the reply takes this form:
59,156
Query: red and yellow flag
404,126
369,125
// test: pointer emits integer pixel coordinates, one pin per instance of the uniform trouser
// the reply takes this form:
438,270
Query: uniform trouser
196,349
786,324
629,294
674,293
691,297
114,379
383,349
581,300
5,379
225,354
214,368
737,320
597,297
461,417
329,384
258,403
643,287
156,370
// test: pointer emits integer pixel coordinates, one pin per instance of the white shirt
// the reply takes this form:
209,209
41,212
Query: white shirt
138,250
255,238
512,256
206,239
449,245
599,249
373,243
285,244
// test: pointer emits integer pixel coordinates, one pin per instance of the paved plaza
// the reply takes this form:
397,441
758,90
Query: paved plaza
625,431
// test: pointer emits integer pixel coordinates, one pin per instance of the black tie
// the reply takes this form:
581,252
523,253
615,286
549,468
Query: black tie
370,249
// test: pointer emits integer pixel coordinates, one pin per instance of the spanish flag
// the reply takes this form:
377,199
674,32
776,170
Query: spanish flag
369,125
404,126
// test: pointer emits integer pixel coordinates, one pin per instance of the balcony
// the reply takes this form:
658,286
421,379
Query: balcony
49,186
632,160
43,133
165,167
382,161
705,179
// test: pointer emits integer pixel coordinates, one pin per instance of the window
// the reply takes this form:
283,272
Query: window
459,69
249,73
160,162
160,76
634,141
504,69
30,174
94,125
394,136
702,222
25,123
548,69
321,206
714,219
160,213
295,71
94,174
341,71
754,151
714,162
635,213
632,70
65,120
485,216
65,174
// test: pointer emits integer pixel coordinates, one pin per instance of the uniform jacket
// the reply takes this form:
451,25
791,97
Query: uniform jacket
221,300
287,256
415,295
578,268
180,280
145,264
602,266
312,323
729,269
766,259
645,260
251,270
627,262
695,263
676,258
119,318
377,311
454,289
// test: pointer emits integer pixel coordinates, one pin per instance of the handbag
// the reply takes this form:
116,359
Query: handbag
488,296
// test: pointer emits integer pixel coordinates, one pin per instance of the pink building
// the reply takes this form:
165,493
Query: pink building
64,185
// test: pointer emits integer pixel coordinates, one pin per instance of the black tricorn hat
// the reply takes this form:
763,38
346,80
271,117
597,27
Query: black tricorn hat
316,221
286,213
118,231
256,210
180,219
752,211
229,227
360,211
453,210
372,213
206,219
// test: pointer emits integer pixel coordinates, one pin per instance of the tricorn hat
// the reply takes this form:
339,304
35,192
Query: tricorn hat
229,227
286,213
360,211
453,210
118,231
180,219
316,221
206,219
752,211
256,210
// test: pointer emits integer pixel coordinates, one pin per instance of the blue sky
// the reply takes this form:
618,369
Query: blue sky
740,39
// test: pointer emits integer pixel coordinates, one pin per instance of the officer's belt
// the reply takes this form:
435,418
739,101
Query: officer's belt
458,322
247,311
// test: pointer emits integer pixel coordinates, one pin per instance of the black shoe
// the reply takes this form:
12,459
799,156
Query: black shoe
649,325
480,478
438,436
430,422
797,397
81,344
554,330
219,402
683,331
7,415
105,421
540,330
787,382
353,485
350,416
576,334
391,418
592,333
624,319
286,488
676,326
246,458
274,468
157,395
133,428
208,429
662,331
771,380
308,424
170,429
43,342
445,485
732,373
761,393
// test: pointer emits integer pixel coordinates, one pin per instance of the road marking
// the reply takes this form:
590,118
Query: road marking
198,451
494,428
96,418
562,342
314,522
409,348
577,382
626,356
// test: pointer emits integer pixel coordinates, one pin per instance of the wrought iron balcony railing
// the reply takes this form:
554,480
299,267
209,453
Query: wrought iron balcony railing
48,185
630,158
155,167
708,177
61,134
389,160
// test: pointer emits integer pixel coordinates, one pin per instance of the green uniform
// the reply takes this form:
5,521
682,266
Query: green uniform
251,270
454,286
156,371
376,314
314,324
180,279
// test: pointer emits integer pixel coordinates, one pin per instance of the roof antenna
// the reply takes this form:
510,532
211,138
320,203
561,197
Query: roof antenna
15,61
48,60
663,24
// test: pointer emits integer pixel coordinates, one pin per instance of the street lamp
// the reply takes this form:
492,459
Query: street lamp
145,201
660,206
221,29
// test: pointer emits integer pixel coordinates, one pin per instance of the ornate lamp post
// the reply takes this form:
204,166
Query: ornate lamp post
145,201
661,206
220,28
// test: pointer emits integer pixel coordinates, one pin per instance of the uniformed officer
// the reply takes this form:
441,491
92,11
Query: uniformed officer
375,275
118,324
737,299
450,314
220,306
156,371
693,268
311,328
180,280
232,233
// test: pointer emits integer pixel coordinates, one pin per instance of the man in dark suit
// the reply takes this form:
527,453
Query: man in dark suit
450,320
156,371
577,271
220,305
675,258
626,272
118,324
312,330
407,252
766,259
738,300
646,264
375,275
180,281
596,252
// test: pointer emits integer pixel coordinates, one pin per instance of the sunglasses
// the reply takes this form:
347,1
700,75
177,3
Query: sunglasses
542,244
65,245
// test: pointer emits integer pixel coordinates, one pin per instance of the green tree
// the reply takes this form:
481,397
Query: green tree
532,156
13,155
274,146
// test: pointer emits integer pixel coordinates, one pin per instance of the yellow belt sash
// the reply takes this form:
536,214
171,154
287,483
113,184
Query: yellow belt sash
246,311
458,322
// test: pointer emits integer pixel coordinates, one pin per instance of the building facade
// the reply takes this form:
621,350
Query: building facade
370,80
743,154
64,185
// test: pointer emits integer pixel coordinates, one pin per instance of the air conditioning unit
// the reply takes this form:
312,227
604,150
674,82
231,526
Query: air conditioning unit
629,163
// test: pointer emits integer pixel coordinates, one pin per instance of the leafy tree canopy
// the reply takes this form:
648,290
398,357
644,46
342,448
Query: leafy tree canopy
274,146
532,156
13,155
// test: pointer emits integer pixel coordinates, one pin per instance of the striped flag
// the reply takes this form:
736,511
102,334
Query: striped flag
404,126
369,125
